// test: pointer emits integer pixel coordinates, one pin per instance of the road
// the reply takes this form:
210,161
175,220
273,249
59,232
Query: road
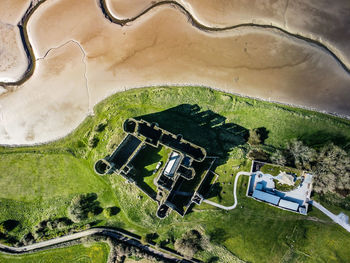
335,218
234,194
93,231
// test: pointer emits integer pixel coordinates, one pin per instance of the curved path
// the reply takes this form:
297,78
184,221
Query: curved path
102,3
234,194
93,231
336,218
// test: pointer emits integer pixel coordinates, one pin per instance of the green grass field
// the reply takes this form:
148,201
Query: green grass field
38,182
97,253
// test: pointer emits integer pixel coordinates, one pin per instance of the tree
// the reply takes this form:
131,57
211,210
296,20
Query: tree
258,154
189,244
257,136
278,158
332,171
111,211
93,141
84,206
300,155
254,137
7,226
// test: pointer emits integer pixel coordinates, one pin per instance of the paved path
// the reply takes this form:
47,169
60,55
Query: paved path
102,231
336,218
234,193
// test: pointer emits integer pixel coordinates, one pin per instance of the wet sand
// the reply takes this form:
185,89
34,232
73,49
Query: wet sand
322,20
47,106
13,59
159,48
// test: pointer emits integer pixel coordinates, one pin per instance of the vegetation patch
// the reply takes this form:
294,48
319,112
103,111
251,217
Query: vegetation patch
97,252
38,183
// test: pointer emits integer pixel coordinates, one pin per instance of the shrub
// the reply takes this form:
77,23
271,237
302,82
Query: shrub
257,136
101,126
84,206
258,154
332,171
278,158
8,226
111,211
93,141
254,137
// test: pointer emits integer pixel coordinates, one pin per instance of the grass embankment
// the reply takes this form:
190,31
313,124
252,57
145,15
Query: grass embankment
42,180
97,252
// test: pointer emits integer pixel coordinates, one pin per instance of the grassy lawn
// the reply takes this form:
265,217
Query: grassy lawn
97,253
39,182
223,187
275,170
145,163
29,175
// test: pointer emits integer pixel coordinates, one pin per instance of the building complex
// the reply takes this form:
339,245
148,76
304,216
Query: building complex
180,182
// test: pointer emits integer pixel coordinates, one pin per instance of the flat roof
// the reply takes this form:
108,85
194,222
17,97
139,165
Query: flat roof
259,186
172,164
289,205
269,198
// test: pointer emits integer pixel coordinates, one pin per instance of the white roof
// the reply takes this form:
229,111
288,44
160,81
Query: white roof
172,164
289,205
270,198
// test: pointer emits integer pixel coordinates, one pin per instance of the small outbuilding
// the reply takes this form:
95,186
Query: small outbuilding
289,205
263,196
172,165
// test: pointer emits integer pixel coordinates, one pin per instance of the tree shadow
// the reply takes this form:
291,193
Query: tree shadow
320,138
10,224
263,133
213,259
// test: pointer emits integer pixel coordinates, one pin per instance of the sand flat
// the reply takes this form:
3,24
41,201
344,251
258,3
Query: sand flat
322,20
47,106
159,48
13,59
11,11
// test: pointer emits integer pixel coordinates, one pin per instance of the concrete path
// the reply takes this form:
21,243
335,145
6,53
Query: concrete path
234,194
102,231
339,219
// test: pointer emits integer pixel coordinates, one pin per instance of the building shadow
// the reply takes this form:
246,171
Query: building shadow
147,156
205,128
